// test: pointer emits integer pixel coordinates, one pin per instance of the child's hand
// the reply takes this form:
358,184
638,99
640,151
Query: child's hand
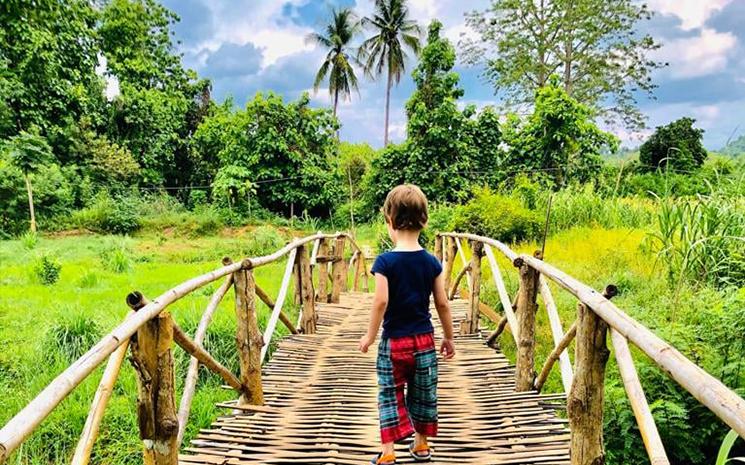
365,343
447,349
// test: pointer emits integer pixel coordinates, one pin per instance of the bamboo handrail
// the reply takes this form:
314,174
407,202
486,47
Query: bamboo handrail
565,365
463,260
504,297
458,279
25,422
272,323
560,348
264,297
196,351
192,373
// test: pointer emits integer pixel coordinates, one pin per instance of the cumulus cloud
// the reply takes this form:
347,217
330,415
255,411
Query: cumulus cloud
234,60
699,55
692,13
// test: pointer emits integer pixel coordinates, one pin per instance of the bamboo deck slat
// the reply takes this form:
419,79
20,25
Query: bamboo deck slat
320,398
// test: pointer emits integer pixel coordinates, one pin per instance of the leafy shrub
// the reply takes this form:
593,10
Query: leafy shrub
87,280
116,257
497,216
197,197
72,336
29,239
47,269
109,215
264,240
678,145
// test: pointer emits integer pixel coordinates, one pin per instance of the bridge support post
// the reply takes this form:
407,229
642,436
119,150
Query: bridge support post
307,294
585,400
248,337
526,312
338,270
438,247
472,319
450,250
152,359
322,265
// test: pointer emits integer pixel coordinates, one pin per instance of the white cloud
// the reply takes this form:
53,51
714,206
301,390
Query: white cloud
692,13
699,55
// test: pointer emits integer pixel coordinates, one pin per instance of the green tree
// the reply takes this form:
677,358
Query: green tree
559,139
677,145
385,51
593,44
447,150
338,36
28,151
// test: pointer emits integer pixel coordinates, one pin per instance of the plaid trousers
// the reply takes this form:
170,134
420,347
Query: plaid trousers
407,382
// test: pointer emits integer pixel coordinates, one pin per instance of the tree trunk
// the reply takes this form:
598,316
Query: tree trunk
30,201
336,101
388,105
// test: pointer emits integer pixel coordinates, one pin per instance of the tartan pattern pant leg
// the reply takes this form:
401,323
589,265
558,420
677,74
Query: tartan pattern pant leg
422,386
392,368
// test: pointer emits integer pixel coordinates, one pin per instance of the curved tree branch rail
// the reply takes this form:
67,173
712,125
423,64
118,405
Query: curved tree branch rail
149,332
596,314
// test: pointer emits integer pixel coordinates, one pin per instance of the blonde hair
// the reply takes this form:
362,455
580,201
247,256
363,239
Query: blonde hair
405,208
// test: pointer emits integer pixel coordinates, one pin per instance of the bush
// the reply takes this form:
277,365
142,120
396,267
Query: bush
264,240
29,239
73,336
109,215
497,216
88,280
116,257
47,269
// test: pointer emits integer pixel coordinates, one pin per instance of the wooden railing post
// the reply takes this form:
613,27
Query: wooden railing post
338,269
322,265
248,336
585,400
450,252
472,318
307,294
152,359
526,312
438,247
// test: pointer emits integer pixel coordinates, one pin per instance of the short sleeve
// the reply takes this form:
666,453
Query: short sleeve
436,266
380,265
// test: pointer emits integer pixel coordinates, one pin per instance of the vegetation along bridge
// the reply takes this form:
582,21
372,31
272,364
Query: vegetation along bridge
314,401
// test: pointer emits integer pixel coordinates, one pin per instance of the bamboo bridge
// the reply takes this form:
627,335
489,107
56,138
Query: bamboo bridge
314,400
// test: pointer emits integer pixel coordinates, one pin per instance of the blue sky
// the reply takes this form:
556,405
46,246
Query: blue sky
246,46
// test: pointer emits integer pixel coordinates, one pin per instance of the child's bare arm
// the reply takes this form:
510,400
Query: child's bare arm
380,303
446,318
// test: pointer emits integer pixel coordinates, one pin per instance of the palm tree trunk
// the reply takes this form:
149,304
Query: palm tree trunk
30,202
388,105
336,101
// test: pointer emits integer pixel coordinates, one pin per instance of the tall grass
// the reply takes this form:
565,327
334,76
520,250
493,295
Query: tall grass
702,240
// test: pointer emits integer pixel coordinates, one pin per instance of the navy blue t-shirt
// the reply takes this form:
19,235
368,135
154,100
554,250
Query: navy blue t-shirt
411,275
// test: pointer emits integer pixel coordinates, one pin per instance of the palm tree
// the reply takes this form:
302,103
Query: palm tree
28,151
336,38
384,51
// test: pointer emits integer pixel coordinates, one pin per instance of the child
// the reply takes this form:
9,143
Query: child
404,280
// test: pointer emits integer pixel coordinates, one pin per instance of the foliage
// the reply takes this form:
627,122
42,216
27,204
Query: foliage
559,140
264,240
233,184
497,216
108,163
446,148
582,205
286,147
28,151
394,32
29,239
727,444
701,240
47,269
735,148
675,146
116,257
522,43
72,337
337,65
109,215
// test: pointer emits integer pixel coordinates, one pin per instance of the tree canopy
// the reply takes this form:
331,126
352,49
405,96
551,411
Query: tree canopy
677,145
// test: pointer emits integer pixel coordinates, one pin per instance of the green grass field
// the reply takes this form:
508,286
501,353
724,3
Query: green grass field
44,327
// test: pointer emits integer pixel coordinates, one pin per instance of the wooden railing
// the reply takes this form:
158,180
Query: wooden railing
149,332
596,315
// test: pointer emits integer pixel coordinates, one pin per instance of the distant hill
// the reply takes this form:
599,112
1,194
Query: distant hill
735,147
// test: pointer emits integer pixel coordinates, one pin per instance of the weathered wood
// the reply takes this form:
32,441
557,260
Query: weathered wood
322,294
248,337
100,400
526,313
450,251
297,286
204,357
506,251
472,317
291,268
458,279
585,401
492,339
463,260
504,297
192,374
565,365
152,359
264,297
554,356
485,311
639,405
438,247
338,270
708,390
307,296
